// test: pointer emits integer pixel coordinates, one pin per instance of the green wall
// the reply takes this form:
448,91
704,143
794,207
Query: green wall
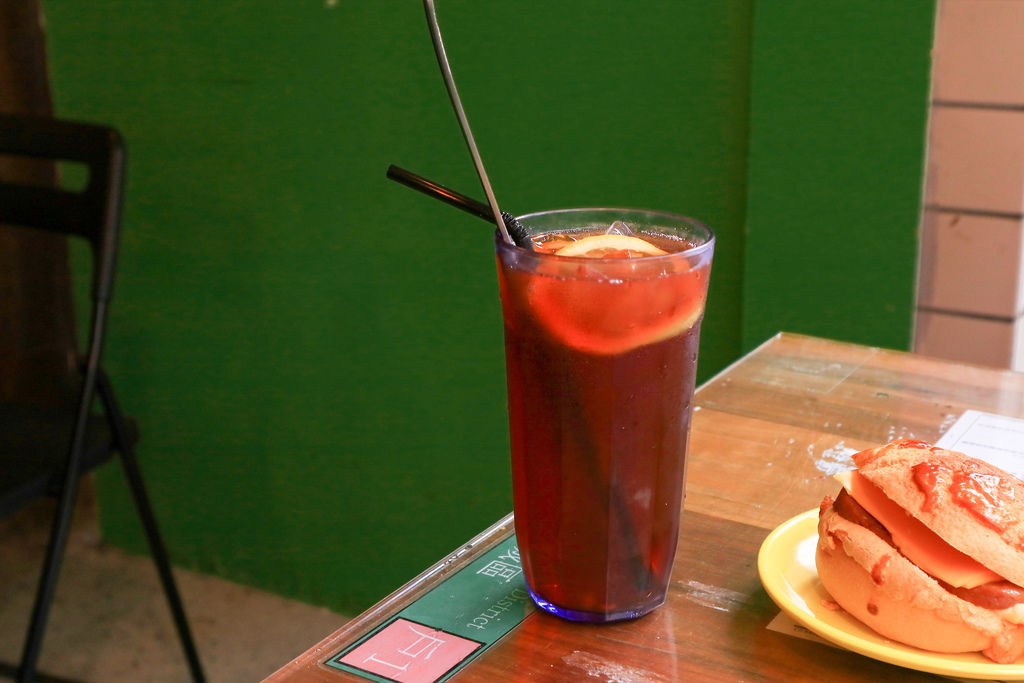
314,352
837,141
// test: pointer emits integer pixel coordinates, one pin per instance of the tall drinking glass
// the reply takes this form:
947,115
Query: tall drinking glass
601,355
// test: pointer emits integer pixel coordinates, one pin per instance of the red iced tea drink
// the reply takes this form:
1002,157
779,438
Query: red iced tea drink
601,341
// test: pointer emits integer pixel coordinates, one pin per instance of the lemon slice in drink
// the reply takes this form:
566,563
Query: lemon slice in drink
610,246
604,314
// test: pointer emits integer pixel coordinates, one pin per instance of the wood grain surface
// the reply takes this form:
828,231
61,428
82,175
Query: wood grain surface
768,432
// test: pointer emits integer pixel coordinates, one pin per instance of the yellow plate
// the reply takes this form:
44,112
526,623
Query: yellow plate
786,566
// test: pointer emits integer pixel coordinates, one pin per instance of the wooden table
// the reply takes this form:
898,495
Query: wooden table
765,432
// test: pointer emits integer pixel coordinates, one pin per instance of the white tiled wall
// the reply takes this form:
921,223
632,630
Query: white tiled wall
971,284
971,264
976,156
979,56
973,340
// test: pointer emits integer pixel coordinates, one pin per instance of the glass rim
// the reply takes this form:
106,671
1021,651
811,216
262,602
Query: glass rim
706,245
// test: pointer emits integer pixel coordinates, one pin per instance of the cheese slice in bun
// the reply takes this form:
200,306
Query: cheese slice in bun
926,546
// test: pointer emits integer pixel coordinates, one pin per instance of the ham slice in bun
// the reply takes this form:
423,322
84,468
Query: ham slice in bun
926,546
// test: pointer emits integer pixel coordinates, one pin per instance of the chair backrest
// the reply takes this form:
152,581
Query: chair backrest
94,212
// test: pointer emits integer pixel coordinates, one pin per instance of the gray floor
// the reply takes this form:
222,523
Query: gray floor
110,622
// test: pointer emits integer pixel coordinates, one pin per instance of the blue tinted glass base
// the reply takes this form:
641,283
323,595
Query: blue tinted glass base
595,617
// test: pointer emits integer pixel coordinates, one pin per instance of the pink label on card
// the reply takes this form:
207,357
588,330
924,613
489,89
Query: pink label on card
409,652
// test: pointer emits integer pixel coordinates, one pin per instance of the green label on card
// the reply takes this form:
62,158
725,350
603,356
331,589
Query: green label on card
447,627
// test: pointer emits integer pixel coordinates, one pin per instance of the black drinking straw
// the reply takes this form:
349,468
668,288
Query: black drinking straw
459,200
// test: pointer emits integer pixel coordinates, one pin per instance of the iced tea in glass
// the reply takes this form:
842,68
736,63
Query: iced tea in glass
602,321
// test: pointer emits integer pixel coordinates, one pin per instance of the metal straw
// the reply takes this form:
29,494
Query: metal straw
453,94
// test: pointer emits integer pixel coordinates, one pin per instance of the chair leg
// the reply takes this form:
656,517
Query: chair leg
145,511
48,581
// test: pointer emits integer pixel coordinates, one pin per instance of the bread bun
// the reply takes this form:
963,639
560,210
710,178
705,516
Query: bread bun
869,579
931,484
873,581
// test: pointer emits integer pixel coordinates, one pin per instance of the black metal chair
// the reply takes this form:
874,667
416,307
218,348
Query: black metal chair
45,450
